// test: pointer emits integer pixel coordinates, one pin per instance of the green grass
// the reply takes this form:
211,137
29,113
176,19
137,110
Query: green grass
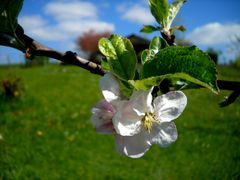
47,133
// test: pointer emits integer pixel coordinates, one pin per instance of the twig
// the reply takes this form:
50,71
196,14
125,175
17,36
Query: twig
230,99
228,85
169,38
71,58
35,48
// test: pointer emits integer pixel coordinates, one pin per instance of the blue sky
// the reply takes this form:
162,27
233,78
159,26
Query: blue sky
57,23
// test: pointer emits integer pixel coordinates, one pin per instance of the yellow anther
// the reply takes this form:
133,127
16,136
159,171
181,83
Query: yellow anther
148,120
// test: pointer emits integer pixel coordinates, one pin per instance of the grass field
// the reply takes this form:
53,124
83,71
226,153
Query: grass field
47,133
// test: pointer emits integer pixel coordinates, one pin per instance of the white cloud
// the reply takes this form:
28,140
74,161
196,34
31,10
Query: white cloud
71,10
64,30
136,13
49,33
37,27
34,21
77,27
71,20
214,34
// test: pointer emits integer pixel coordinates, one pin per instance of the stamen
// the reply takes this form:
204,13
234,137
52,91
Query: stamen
148,121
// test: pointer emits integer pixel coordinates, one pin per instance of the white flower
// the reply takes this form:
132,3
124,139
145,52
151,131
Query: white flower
139,124
110,88
104,110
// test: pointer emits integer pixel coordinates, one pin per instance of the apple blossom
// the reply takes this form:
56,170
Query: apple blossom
104,110
139,124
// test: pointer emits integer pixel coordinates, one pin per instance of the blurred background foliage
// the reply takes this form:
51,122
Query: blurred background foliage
36,61
47,134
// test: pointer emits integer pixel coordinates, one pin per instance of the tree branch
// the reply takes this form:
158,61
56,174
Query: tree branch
228,85
33,47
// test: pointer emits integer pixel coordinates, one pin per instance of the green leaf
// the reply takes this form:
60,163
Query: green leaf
146,56
3,4
189,63
10,41
125,88
175,28
9,10
156,45
159,9
172,12
149,29
106,48
120,56
105,65
147,83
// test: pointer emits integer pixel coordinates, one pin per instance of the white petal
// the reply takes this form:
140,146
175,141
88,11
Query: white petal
103,123
126,122
169,106
142,102
103,105
133,146
102,117
110,87
164,134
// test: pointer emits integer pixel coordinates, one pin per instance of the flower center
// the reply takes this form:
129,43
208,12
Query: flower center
148,120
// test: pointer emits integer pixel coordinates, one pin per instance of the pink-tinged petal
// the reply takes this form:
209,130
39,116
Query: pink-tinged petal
103,105
102,124
102,117
109,86
164,134
106,128
169,106
126,122
142,102
133,146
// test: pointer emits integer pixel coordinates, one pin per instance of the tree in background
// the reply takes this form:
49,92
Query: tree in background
88,42
236,50
183,42
236,62
213,54
36,61
236,46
